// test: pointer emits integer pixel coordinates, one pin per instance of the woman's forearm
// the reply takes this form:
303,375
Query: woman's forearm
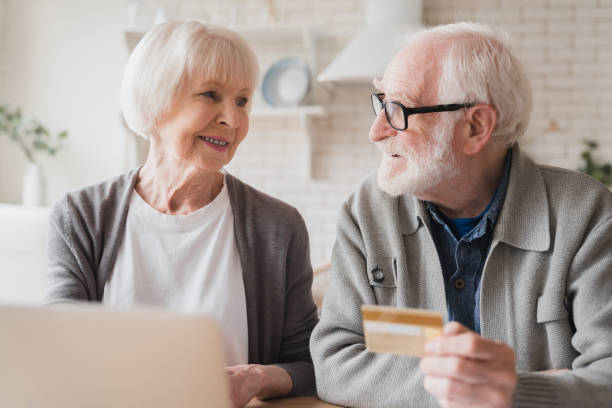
275,382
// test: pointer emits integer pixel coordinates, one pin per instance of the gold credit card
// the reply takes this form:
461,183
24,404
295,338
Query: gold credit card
399,331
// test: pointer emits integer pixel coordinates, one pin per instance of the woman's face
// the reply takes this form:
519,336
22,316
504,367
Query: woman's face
206,124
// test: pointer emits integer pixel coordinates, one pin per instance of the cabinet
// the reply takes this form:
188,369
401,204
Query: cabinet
23,254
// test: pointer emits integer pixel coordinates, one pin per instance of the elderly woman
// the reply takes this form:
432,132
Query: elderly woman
181,232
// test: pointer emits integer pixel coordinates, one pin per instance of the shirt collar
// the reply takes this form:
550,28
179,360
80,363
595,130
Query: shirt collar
492,210
500,192
524,220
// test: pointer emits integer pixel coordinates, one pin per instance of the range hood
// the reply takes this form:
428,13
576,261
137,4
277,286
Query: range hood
368,53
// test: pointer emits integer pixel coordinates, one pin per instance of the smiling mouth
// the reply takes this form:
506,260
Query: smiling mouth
214,141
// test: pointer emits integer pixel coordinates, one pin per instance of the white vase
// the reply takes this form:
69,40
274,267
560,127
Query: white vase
34,186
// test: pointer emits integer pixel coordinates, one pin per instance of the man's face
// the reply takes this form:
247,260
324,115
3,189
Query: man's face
421,157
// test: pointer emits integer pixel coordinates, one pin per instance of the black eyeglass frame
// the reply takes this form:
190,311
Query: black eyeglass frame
411,111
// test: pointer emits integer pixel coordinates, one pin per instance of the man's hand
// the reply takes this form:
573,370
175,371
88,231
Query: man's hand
250,381
463,369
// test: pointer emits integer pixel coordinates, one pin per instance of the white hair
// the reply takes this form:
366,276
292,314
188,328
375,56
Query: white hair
169,57
479,65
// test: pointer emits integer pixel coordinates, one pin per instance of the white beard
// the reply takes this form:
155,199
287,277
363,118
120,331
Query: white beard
435,164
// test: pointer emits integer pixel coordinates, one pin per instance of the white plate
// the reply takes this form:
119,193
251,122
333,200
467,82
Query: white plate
286,83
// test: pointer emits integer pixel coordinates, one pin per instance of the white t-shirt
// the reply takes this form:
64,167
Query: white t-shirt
186,263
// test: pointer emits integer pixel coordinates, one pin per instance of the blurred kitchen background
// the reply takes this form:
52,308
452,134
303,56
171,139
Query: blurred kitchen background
61,61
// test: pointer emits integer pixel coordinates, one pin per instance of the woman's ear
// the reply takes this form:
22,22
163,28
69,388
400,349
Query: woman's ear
481,119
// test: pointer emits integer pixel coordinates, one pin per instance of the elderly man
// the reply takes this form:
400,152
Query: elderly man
458,219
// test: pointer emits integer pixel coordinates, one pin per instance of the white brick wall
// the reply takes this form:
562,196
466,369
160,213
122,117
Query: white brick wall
2,48
565,45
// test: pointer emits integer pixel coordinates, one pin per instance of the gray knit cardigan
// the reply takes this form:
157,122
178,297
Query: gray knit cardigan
86,228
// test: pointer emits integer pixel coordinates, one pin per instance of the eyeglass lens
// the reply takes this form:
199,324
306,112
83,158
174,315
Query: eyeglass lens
376,104
395,115
393,112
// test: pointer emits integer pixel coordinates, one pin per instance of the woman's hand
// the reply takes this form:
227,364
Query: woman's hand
250,381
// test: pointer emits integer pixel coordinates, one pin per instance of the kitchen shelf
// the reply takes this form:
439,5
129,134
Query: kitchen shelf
284,32
300,111
255,34
132,38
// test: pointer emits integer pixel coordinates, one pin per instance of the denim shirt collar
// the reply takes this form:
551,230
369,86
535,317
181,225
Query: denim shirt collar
490,214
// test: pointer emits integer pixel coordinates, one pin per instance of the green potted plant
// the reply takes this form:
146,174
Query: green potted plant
33,139
599,171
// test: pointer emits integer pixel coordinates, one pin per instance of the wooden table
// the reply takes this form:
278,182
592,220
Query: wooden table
297,402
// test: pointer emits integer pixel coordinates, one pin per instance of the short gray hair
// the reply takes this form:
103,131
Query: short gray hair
170,56
480,66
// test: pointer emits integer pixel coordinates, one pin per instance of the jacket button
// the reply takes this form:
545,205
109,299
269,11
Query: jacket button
378,275
459,283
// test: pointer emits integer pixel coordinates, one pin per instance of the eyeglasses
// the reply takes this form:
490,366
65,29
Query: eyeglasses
397,114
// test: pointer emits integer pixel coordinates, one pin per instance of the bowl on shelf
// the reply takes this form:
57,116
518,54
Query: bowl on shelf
286,83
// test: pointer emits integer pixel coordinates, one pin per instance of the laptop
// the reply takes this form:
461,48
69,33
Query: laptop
83,355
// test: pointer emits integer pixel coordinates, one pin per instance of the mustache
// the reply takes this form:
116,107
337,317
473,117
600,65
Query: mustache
391,146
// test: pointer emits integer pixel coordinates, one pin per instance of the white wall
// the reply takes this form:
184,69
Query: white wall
63,62
2,35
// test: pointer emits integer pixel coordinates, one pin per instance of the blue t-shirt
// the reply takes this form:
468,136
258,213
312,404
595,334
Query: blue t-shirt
461,226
